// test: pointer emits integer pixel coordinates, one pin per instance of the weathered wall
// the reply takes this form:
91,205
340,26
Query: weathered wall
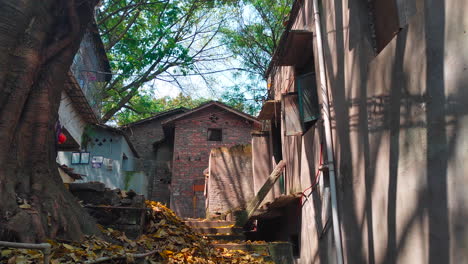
70,118
230,179
87,67
110,146
155,159
262,164
191,154
400,120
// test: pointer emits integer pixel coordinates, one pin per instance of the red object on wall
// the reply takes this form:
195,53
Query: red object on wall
62,138
198,187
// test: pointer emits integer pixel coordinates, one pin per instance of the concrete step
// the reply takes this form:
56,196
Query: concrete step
231,237
259,248
278,252
209,224
218,230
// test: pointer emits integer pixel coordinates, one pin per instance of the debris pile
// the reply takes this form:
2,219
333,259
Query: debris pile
96,193
116,209
166,240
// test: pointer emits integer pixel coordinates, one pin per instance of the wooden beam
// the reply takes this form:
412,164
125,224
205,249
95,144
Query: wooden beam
261,194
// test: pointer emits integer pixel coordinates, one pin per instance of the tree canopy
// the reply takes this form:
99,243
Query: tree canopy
254,34
146,105
150,40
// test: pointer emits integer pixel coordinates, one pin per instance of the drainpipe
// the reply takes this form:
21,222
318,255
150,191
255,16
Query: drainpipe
330,163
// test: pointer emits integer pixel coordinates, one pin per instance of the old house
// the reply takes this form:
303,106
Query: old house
108,156
93,152
195,133
81,97
155,148
381,169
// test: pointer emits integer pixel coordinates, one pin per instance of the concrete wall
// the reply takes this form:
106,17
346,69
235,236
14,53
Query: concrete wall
70,118
155,161
111,146
230,179
400,121
191,154
399,126
86,67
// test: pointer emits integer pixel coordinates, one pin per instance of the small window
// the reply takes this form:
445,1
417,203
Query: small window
308,102
125,164
215,134
80,158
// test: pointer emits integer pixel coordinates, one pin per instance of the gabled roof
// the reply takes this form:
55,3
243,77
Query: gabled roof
157,116
209,104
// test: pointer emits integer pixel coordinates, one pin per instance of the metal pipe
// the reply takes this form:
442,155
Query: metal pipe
328,135
44,247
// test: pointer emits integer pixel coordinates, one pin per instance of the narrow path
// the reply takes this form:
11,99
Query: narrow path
225,234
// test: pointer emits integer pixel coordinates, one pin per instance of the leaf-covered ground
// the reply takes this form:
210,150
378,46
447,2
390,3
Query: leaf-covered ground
166,240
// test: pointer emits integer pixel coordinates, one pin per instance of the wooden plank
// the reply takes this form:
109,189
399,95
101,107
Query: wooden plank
270,110
292,119
261,194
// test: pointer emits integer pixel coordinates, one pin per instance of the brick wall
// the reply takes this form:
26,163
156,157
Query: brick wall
191,154
230,183
155,162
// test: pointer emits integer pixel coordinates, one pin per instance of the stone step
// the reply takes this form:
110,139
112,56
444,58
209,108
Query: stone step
278,252
215,223
232,237
218,230
258,248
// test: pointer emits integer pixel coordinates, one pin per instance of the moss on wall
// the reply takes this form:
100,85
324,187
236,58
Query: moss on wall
128,176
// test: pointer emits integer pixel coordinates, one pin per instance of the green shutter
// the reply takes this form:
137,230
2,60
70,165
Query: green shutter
308,102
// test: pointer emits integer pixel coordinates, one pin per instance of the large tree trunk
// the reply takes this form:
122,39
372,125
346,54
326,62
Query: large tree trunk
38,40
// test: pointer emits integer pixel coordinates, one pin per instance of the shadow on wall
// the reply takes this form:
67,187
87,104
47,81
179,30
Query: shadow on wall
230,183
397,131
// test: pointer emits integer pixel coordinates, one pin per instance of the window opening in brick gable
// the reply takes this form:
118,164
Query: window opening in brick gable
215,134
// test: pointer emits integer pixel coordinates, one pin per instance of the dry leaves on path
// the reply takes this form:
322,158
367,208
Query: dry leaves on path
166,236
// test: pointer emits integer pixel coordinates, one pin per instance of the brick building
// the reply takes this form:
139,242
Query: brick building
196,132
155,149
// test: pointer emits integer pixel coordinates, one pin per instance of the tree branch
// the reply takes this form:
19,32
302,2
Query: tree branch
116,40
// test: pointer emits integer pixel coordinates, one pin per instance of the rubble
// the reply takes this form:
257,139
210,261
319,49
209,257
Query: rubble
164,238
